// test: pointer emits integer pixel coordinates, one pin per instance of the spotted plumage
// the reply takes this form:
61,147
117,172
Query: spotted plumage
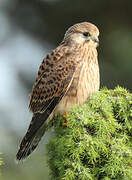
67,76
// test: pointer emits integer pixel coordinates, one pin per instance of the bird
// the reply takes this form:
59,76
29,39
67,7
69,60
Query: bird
67,76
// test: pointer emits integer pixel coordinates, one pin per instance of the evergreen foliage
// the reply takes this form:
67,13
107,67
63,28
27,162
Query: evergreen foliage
97,144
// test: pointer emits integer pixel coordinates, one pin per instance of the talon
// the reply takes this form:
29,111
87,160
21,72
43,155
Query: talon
65,124
65,116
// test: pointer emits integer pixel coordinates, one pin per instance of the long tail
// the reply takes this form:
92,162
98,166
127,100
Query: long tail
31,139
36,130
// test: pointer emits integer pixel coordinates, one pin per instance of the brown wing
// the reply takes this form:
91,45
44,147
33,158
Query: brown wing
54,77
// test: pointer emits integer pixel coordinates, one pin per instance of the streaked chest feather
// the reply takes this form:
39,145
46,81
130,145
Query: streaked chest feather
86,81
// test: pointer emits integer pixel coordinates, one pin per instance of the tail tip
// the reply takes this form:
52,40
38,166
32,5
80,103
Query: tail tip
17,161
19,157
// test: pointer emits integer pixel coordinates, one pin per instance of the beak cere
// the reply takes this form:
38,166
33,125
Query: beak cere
95,39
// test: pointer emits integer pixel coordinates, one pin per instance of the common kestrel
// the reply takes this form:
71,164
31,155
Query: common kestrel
67,76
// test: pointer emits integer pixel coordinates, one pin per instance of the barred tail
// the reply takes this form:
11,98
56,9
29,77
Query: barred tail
31,139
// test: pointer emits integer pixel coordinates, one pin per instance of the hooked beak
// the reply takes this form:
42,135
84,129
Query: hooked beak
95,39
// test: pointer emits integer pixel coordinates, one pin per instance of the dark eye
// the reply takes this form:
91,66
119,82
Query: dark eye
86,34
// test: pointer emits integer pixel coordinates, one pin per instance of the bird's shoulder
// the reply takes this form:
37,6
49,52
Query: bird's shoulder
54,58
54,75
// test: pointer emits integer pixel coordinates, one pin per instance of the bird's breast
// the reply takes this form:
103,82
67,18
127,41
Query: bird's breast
85,82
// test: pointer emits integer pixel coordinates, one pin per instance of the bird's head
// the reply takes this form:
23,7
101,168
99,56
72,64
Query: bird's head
82,33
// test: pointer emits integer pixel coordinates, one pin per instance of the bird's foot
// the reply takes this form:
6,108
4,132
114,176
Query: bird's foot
65,116
65,124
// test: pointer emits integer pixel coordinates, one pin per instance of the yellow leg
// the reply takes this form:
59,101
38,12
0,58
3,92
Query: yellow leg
65,116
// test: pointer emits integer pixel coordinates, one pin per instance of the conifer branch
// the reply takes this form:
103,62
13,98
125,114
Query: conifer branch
98,142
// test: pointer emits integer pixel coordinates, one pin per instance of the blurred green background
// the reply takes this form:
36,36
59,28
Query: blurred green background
29,29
